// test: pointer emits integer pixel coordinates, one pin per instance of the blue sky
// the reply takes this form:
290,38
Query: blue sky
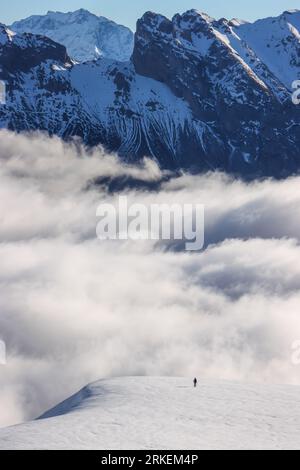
127,12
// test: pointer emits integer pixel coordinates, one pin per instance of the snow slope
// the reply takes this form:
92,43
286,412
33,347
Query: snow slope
276,43
85,35
166,413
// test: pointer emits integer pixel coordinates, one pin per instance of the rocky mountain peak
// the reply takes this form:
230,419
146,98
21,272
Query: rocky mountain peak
191,18
24,51
6,35
85,35
154,24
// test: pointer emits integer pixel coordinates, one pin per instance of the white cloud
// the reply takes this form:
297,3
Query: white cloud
74,309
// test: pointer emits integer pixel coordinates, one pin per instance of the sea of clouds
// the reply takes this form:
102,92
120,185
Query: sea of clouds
74,309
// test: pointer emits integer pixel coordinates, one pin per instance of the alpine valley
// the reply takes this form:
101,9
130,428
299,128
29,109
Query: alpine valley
193,93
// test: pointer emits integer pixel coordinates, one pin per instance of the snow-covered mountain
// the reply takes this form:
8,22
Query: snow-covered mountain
275,43
166,413
85,35
39,94
198,93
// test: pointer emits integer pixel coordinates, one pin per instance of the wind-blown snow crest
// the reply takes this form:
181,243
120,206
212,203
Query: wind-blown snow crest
166,413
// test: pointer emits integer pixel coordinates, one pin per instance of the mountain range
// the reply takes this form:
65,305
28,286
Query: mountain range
197,93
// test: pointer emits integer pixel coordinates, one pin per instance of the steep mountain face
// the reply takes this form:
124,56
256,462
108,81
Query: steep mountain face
276,42
227,86
86,36
198,94
39,94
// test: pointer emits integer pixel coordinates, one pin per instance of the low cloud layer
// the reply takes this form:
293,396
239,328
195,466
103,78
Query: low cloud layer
74,309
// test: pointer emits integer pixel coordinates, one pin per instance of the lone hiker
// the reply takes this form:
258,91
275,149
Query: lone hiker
195,382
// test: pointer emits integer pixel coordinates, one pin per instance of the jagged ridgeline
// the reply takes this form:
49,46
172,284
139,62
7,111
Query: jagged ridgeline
192,92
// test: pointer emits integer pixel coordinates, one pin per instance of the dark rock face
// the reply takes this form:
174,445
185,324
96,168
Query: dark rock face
220,89
27,51
196,95
36,92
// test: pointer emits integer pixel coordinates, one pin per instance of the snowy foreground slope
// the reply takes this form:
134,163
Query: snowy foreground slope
166,413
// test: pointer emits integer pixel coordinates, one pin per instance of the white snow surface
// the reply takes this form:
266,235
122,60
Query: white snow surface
166,413
276,42
85,35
